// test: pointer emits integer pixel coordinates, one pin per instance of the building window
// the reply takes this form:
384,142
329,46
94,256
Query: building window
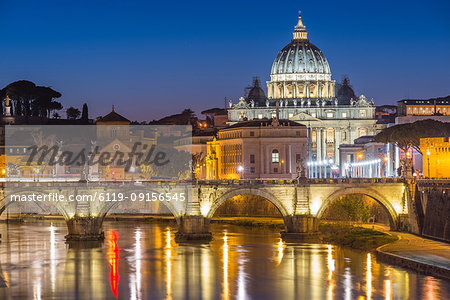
274,115
275,156
297,157
297,133
252,170
344,115
362,113
252,158
260,116
291,115
314,115
252,133
330,114
275,170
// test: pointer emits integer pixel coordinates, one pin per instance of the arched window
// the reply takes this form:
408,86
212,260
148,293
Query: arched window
275,156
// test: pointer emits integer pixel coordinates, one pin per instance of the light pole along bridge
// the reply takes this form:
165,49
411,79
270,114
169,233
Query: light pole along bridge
302,202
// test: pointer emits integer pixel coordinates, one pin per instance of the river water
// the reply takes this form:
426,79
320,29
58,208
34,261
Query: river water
142,261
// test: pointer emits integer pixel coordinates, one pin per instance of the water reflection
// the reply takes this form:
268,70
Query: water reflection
331,268
135,278
238,264
369,277
280,248
113,259
225,291
168,265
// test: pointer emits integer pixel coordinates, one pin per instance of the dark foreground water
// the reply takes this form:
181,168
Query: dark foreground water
142,261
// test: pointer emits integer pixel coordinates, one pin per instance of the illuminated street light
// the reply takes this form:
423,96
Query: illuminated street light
240,169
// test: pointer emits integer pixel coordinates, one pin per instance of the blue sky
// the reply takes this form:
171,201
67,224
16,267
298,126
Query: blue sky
151,59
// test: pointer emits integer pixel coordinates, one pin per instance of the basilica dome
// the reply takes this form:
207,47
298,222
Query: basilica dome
300,56
300,70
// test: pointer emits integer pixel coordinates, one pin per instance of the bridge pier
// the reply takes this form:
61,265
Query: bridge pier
193,228
302,228
85,229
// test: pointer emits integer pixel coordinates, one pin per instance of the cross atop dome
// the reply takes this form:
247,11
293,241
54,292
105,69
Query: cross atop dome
300,29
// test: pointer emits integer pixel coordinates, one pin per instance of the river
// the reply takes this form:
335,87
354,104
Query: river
142,261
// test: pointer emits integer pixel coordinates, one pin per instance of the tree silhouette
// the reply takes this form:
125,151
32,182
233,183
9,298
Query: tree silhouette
73,113
84,114
31,100
406,136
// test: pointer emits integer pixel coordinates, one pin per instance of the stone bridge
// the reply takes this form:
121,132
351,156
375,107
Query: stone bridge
301,203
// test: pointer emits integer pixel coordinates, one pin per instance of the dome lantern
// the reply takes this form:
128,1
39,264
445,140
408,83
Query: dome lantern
300,29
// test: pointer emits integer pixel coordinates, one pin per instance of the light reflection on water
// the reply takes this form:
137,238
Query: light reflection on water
142,261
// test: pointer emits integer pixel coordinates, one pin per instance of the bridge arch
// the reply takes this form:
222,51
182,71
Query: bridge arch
102,212
378,197
247,191
4,204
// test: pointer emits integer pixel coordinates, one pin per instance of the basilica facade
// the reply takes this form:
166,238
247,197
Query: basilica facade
301,89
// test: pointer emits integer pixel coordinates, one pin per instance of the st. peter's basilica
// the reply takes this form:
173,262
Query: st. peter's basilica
301,89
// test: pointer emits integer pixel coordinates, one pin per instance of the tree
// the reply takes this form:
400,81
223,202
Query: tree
349,208
84,114
21,93
189,117
407,136
31,100
44,104
73,113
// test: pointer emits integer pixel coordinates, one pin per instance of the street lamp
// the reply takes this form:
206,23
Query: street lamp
428,160
240,169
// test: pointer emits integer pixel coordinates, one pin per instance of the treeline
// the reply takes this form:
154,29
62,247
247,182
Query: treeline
28,99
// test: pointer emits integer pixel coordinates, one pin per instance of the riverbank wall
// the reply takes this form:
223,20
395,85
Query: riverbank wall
432,201
406,260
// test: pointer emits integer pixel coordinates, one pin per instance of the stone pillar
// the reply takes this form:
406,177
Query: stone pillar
337,142
310,143
324,144
319,143
85,229
262,158
193,228
301,227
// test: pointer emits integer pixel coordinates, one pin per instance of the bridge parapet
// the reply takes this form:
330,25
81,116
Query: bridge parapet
301,203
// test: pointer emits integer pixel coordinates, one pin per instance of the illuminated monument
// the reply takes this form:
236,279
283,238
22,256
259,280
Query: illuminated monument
301,84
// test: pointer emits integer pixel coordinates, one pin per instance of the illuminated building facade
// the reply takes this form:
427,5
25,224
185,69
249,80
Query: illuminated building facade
257,149
438,106
302,87
366,159
436,157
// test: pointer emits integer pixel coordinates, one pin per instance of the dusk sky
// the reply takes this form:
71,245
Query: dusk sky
154,58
